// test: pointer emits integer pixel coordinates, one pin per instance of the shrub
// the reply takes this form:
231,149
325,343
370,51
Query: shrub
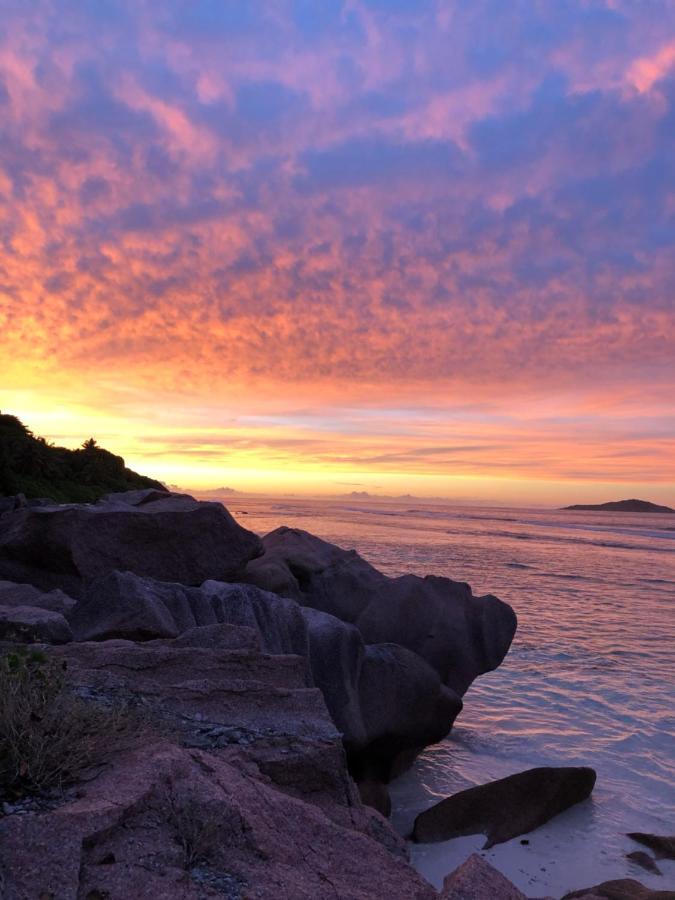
49,737
195,829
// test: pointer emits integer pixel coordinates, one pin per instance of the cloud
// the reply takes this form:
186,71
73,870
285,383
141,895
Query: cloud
356,202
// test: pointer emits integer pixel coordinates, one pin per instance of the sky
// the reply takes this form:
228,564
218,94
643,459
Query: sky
400,246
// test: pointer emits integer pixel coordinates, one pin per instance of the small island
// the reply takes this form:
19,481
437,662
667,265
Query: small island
629,506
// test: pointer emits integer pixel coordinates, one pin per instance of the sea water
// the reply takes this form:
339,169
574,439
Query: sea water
589,680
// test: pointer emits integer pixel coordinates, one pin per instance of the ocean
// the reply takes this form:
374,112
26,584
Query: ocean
589,680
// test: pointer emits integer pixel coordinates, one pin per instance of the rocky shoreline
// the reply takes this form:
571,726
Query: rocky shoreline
258,696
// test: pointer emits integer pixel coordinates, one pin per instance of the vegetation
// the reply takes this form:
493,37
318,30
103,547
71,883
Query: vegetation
195,830
30,465
50,737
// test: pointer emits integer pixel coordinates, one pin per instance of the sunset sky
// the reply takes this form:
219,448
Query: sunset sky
402,246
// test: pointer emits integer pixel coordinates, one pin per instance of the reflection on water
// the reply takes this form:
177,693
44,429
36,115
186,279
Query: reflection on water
589,680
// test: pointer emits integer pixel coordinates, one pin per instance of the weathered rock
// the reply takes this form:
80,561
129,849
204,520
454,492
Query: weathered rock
12,594
503,809
621,889
170,537
380,693
30,624
184,824
645,861
459,635
202,688
476,879
219,637
663,847
250,708
124,605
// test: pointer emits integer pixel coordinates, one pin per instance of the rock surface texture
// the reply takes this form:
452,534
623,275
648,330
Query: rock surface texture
31,624
476,879
503,809
12,594
170,537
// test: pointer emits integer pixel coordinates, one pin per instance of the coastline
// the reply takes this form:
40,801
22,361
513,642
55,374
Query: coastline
100,620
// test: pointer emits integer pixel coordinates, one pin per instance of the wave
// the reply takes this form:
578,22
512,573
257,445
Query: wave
655,580
561,539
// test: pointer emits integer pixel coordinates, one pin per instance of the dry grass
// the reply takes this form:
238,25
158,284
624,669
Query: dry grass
49,737
194,827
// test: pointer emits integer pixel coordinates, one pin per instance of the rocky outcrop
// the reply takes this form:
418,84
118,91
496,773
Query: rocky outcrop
263,700
476,879
183,823
622,889
170,537
245,792
504,809
30,624
457,634
385,699
124,605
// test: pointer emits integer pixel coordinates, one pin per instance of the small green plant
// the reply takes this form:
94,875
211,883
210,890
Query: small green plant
49,737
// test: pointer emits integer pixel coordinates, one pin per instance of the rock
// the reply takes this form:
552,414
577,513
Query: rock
184,824
645,861
9,504
124,605
459,635
219,637
384,699
243,741
374,793
621,889
199,687
170,537
12,594
663,847
506,808
476,879
278,620
30,624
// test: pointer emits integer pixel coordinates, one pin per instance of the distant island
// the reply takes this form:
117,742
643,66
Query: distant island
34,467
629,506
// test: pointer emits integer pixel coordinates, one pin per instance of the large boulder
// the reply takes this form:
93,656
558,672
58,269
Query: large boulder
385,699
125,605
459,635
170,537
30,625
503,809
